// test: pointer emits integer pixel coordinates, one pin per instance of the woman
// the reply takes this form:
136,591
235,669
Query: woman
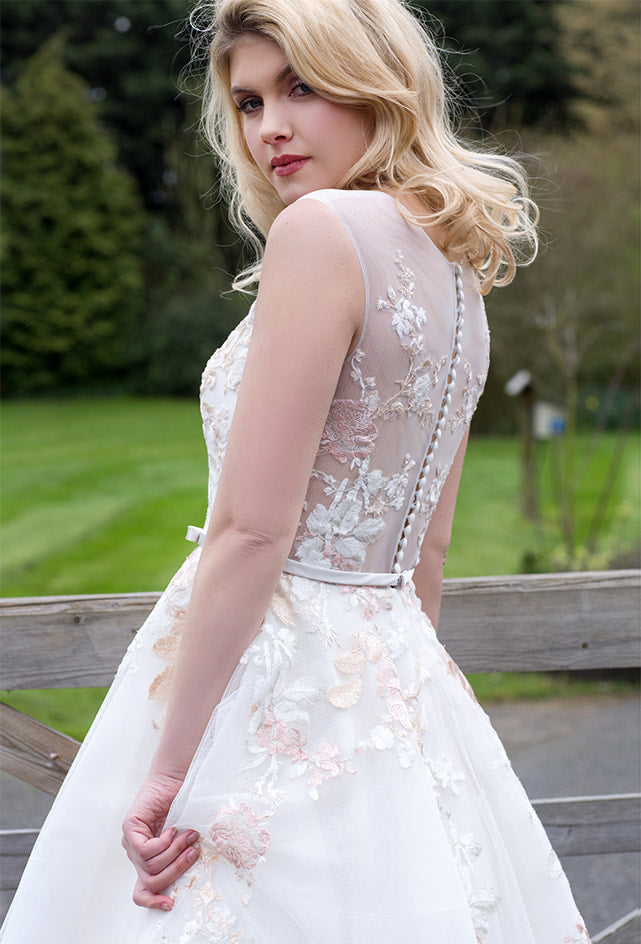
318,769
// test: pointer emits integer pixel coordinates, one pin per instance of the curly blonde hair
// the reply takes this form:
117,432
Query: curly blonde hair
375,54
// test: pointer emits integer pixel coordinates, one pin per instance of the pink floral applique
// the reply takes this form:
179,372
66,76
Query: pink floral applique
349,432
583,936
166,648
455,672
325,764
279,739
237,834
389,688
371,599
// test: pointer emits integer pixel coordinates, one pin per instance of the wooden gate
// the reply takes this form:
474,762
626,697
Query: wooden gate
565,622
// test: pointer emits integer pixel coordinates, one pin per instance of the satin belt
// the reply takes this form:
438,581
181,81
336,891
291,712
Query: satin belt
355,578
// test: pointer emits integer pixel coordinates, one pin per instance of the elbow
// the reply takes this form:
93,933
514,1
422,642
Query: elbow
243,544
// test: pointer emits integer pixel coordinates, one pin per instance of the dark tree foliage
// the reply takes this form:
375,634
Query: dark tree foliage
130,53
506,58
505,54
71,226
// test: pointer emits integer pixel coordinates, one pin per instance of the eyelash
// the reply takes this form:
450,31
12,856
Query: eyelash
251,99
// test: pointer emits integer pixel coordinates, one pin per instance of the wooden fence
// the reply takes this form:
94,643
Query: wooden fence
525,623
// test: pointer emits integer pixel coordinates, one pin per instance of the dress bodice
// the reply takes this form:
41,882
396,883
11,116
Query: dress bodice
403,401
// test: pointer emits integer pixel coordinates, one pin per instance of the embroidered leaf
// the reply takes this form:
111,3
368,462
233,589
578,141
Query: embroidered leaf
345,695
160,688
353,663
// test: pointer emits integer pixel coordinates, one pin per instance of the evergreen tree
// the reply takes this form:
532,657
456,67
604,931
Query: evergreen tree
72,224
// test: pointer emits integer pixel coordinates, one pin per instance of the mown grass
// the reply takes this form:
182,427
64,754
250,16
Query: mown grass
97,495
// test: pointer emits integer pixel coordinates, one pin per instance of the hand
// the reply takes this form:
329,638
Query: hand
159,856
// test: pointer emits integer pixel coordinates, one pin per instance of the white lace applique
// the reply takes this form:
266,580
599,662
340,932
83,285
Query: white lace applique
227,363
211,919
445,774
423,374
470,397
483,900
555,870
340,534
278,731
430,500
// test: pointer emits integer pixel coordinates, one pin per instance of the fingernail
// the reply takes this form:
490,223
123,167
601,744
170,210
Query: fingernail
193,836
192,855
166,906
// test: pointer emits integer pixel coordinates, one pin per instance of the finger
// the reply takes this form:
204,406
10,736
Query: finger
146,899
156,883
158,863
146,848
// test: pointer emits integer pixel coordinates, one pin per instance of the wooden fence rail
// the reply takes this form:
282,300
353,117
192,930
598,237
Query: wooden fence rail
525,623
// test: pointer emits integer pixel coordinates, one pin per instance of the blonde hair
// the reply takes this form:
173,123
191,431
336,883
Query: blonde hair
375,54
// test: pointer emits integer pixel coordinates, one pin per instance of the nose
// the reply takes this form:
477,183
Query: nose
275,126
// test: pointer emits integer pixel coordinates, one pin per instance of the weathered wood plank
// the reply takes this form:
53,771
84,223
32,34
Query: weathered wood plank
16,846
528,622
592,825
67,642
33,752
625,931
543,621
576,826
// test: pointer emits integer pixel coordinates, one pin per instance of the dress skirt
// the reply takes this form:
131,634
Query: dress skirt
348,790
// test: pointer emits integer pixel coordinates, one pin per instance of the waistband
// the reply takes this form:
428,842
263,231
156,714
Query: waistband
357,578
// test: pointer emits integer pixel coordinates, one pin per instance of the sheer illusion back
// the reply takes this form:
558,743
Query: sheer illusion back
404,398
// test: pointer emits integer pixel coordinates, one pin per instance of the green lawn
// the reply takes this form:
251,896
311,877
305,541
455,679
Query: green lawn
97,495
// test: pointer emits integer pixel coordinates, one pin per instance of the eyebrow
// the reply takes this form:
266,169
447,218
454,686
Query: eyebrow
282,75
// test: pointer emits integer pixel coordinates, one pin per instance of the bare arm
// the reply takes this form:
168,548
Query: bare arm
309,314
428,575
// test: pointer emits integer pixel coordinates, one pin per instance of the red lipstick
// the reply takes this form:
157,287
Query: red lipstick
286,164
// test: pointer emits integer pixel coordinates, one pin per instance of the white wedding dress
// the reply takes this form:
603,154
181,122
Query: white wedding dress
348,789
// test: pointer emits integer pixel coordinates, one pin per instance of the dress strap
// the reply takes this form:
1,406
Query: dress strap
357,578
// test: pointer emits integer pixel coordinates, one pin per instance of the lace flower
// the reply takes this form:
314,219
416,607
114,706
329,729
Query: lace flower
238,835
349,432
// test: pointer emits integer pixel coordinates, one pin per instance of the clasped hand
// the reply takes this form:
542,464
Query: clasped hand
160,856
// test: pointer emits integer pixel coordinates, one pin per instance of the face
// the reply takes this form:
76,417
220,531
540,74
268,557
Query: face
300,141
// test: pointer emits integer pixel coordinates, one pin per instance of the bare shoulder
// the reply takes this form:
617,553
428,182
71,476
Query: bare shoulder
309,225
311,261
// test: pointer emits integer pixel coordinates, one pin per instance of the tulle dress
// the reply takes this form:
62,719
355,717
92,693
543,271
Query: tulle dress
348,788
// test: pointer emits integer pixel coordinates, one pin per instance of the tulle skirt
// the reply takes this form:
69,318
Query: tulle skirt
348,789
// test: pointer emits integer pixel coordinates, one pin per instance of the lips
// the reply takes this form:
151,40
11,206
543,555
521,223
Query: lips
287,164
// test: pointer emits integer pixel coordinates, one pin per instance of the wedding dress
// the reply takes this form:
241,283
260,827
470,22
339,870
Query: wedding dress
348,788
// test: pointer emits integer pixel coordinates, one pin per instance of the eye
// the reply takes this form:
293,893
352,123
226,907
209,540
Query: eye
249,105
300,89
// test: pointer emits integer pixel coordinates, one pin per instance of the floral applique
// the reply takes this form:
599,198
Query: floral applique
238,833
366,647
370,600
338,535
430,500
309,602
555,870
446,775
452,669
582,937
471,392
324,764
423,375
482,900
349,432
166,648
278,733
404,722
210,917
